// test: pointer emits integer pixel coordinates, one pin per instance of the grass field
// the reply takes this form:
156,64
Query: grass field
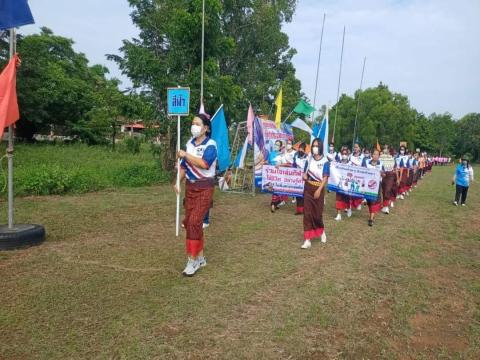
44,169
107,282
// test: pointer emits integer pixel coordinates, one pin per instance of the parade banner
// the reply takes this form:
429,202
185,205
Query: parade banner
387,161
283,180
354,180
265,134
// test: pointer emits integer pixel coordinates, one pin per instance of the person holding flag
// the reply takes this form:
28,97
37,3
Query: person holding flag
316,173
198,164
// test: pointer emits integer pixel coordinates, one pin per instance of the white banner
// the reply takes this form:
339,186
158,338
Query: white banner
282,180
354,180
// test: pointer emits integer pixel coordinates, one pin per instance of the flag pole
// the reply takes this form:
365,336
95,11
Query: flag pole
203,51
318,68
338,88
13,45
358,102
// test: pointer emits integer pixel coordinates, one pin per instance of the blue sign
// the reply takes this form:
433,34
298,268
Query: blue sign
178,101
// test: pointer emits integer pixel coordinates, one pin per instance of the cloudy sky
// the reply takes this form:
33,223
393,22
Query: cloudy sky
426,49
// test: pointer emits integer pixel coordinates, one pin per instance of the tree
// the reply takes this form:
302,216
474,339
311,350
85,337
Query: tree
468,136
247,57
443,133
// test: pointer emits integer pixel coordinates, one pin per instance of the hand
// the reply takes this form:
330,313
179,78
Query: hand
181,154
176,189
317,193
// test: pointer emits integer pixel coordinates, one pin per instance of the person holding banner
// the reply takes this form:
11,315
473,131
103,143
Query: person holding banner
401,162
389,181
356,159
316,173
299,161
343,202
275,158
374,206
198,164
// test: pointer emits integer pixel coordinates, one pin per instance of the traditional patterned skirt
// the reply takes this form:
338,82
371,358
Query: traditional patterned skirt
374,206
342,202
198,200
300,205
388,184
313,212
403,182
277,199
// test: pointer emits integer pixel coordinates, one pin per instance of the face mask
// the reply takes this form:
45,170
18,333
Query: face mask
289,146
465,163
315,150
276,147
344,157
367,155
402,152
196,130
332,149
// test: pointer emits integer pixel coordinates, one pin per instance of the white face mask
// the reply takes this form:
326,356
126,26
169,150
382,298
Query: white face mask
315,150
344,157
289,146
196,130
367,155
332,149
402,152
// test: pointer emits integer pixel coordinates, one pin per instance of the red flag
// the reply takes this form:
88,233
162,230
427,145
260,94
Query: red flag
8,95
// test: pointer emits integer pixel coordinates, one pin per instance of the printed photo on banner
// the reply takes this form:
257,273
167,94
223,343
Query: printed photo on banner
354,180
388,162
282,181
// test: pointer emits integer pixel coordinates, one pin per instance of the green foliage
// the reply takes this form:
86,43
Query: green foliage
468,136
132,144
78,168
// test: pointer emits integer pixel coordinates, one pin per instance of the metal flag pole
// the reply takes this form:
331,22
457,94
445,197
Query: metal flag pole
13,43
338,88
203,51
318,68
177,221
358,102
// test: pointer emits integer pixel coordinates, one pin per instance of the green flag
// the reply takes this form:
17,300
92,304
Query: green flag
304,108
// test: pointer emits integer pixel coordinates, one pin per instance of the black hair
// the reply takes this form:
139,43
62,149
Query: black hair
302,146
206,122
320,146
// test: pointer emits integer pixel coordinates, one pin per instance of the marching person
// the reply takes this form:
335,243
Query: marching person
317,171
197,166
374,206
402,172
275,158
356,159
299,161
462,178
332,155
343,202
389,181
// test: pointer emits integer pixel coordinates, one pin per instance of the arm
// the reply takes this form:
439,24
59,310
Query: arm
182,176
195,161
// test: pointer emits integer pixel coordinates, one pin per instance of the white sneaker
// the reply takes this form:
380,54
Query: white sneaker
282,203
455,203
306,244
359,207
339,217
402,197
323,238
349,213
385,210
205,225
202,262
463,205
392,204
294,201
191,268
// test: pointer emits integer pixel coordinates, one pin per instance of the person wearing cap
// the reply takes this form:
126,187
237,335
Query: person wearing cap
462,178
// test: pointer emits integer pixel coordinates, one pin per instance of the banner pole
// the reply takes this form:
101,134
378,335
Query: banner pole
177,228
338,88
13,38
318,68
358,102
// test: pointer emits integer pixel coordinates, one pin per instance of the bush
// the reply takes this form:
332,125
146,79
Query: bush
133,144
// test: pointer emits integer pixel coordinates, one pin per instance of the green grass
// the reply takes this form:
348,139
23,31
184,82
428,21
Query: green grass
56,169
107,283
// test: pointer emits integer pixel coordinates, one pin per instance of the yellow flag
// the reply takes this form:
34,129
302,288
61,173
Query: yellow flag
278,113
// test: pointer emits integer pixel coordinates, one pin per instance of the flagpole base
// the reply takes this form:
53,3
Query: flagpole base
21,236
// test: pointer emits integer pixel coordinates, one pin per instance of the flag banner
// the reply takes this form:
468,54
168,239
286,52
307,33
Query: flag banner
14,13
302,125
220,135
279,104
266,133
304,108
388,161
283,180
9,112
355,181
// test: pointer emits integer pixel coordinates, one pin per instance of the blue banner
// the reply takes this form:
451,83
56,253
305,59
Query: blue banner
14,13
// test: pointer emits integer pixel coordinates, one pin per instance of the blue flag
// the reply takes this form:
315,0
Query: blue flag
321,131
14,13
220,135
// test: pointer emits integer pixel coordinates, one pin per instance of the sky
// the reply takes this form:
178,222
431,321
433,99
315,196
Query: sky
428,50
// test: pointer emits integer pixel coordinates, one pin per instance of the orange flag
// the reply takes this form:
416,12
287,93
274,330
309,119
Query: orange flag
378,146
8,95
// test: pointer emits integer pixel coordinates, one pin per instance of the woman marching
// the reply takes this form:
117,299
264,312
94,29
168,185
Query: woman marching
401,162
356,159
317,171
343,202
374,206
198,168
389,181
299,161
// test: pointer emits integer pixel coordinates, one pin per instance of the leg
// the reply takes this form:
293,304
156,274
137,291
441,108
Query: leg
464,194
458,192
